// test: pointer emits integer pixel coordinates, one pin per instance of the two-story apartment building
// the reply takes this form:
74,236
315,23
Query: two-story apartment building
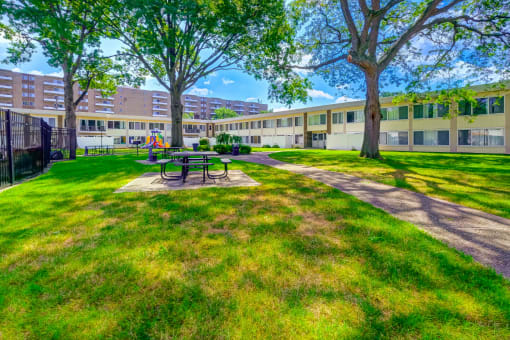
132,114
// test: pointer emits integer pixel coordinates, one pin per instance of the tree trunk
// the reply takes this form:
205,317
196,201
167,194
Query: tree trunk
177,111
70,119
370,148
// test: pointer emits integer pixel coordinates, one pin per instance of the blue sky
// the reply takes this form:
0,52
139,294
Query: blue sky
234,85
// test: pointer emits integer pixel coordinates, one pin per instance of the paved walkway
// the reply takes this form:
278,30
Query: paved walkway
484,236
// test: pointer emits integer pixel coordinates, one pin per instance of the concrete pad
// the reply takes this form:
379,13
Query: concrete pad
152,181
145,162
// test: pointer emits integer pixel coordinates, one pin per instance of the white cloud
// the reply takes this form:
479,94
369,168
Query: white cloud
345,99
56,74
200,91
251,99
214,74
278,109
16,69
207,82
227,81
37,73
319,94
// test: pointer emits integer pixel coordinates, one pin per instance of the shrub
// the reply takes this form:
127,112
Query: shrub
229,148
204,141
266,146
276,146
245,149
220,148
204,147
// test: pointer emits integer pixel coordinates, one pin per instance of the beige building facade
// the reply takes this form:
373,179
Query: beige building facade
480,128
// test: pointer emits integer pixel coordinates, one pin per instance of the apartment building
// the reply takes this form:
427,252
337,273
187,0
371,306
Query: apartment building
204,107
132,114
47,92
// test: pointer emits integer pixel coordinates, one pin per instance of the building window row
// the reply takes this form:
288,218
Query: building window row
483,106
430,111
91,125
337,117
394,138
395,113
116,124
431,137
481,137
319,119
136,126
357,116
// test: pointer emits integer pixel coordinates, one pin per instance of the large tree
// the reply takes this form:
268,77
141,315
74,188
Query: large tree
223,112
69,34
373,43
181,41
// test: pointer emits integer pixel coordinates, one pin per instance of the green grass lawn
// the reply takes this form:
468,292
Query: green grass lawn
477,181
292,258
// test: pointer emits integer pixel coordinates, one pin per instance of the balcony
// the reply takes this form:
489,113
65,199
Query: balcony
159,103
157,114
105,104
5,78
216,103
101,97
54,84
5,104
53,92
50,100
104,111
191,100
157,95
253,111
3,95
5,87
159,109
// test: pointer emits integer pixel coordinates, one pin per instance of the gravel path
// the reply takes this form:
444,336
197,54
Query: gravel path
484,236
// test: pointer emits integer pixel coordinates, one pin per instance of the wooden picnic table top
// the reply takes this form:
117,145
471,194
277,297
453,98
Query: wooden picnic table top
195,153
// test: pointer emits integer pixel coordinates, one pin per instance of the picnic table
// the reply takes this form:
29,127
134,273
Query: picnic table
192,159
168,151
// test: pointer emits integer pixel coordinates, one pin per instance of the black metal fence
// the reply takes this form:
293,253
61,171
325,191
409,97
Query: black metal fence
26,144
61,139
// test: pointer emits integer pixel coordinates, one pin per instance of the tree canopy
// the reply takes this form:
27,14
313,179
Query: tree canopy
415,44
179,42
223,112
69,34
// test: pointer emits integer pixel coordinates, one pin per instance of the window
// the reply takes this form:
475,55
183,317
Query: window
483,106
394,138
268,123
255,139
255,124
430,110
115,124
119,140
496,105
298,121
440,137
136,126
464,108
482,137
338,117
395,113
317,119
355,116
284,122
91,125
28,103
156,126
27,94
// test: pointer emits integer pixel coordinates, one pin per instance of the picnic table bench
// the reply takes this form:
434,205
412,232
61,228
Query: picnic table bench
192,159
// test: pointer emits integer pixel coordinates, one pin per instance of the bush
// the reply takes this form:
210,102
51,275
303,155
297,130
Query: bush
229,148
220,148
204,147
276,146
266,146
204,141
244,149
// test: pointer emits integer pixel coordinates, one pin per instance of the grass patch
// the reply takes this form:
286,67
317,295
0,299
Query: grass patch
474,180
291,258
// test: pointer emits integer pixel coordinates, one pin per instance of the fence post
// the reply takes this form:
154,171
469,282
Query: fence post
10,155
43,145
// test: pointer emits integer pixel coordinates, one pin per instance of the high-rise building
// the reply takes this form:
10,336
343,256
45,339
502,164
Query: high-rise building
47,92
204,107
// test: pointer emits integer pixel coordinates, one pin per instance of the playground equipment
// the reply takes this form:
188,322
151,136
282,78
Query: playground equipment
155,141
